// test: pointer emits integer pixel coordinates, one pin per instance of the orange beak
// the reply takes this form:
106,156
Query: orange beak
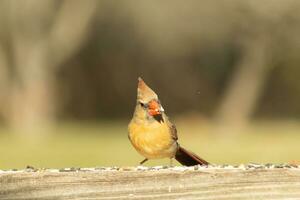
154,108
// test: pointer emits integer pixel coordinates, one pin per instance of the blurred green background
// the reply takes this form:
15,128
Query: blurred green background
226,72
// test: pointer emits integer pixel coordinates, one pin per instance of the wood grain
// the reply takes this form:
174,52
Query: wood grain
258,182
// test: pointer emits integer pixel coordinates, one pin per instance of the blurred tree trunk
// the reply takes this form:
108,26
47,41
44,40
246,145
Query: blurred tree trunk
42,35
32,91
3,82
246,84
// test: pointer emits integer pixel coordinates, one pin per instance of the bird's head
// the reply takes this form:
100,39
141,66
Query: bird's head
148,100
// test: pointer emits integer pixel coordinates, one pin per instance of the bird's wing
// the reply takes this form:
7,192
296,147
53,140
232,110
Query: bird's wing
172,127
173,131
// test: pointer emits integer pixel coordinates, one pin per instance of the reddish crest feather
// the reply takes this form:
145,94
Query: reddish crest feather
144,92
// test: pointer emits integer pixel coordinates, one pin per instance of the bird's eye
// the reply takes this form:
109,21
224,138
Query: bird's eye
142,104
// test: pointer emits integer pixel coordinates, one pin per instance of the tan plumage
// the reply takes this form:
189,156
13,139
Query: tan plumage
152,134
152,140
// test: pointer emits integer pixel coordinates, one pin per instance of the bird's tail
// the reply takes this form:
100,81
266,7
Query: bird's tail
188,158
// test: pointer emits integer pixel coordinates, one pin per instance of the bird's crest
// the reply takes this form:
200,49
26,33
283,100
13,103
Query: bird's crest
144,92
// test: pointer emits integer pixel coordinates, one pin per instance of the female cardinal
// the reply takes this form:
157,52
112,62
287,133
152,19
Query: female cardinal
152,134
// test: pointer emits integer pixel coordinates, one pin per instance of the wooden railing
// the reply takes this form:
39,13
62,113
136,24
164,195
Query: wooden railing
250,181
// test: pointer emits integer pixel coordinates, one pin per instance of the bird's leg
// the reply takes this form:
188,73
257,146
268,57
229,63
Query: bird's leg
171,162
143,161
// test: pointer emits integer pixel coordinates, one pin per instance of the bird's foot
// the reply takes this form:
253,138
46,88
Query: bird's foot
143,161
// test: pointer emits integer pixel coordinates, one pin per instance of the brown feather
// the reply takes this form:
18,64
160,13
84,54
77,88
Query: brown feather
188,158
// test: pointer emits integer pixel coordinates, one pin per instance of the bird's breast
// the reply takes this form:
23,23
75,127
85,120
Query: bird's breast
152,140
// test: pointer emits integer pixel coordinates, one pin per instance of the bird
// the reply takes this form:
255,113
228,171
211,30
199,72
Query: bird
152,134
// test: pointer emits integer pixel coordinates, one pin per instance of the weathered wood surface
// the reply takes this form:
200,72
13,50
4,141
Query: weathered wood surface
213,182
